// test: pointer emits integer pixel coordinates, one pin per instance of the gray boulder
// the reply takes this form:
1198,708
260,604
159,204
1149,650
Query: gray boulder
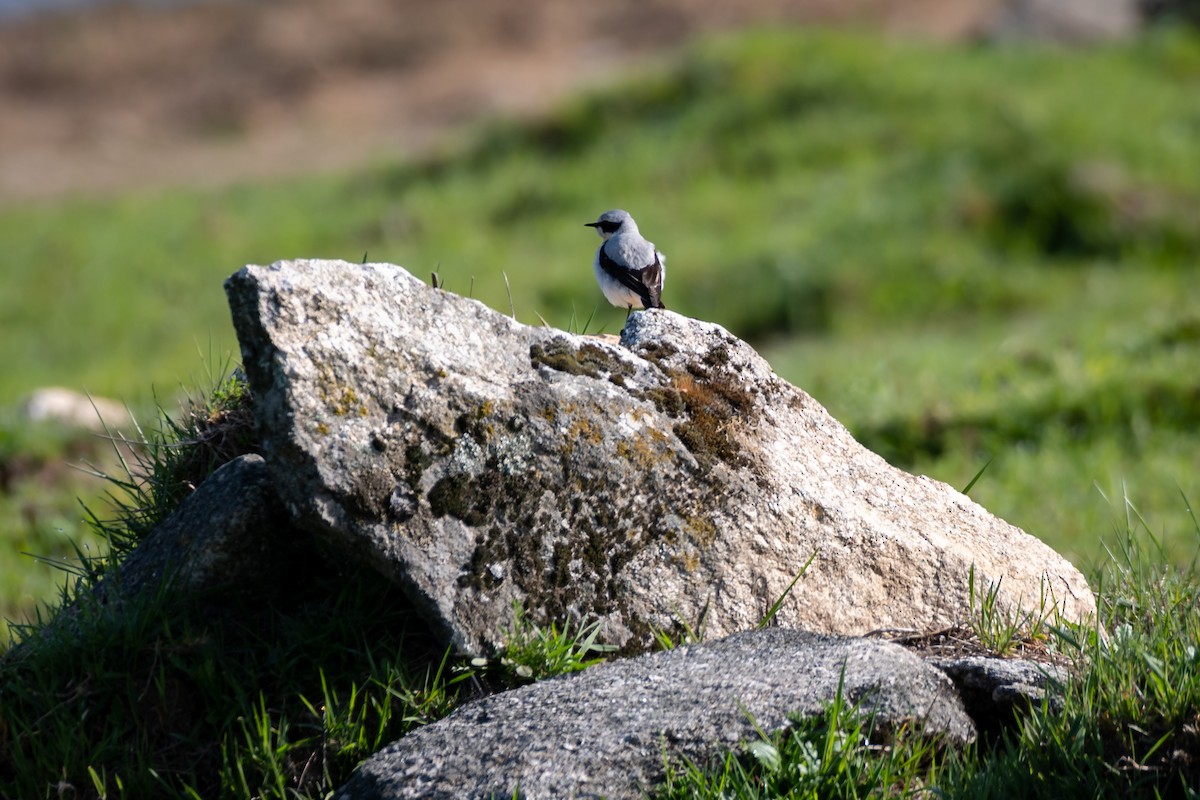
605,732
668,482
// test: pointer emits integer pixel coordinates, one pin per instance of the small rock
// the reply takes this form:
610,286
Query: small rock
605,732
995,691
70,408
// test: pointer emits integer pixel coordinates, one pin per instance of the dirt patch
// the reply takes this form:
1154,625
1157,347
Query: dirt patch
218,92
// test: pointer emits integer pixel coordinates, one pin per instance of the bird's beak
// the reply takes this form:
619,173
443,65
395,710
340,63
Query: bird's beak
591,224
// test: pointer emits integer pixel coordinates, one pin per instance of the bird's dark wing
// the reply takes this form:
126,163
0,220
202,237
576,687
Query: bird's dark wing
652,279
645,282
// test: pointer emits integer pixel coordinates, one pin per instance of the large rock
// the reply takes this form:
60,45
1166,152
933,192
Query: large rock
671,481
605,732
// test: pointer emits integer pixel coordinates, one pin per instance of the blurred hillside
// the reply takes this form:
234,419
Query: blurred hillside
128,95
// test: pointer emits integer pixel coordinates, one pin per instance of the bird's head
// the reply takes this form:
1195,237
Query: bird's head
611,222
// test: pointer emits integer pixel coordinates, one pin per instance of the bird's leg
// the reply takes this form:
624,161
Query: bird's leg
628,311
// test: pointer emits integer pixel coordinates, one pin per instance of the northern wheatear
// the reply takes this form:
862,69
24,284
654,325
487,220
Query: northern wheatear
628,268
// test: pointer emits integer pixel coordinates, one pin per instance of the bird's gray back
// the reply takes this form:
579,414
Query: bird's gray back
630,250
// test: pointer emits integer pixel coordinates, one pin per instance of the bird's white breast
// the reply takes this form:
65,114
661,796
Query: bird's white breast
616,292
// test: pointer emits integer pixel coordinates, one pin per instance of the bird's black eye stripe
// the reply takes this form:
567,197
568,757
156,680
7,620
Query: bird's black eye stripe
608,226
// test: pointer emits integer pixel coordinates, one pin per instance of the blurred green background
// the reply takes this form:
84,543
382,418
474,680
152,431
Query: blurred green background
971,255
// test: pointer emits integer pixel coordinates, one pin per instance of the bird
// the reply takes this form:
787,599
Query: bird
628,268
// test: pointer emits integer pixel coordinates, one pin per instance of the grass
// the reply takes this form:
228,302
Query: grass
222,699
837,754
532,652
1001,633
41,488
1131,722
